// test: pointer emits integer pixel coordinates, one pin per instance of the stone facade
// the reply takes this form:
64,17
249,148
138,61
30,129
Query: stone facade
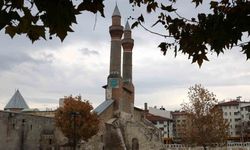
123,132
123,126
28,132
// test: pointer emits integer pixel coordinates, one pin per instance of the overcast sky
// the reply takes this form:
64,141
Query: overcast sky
48,70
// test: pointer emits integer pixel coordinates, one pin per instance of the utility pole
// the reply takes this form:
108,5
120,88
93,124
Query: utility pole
22,135
74,114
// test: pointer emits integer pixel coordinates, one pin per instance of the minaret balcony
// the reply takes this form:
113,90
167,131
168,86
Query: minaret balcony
116,30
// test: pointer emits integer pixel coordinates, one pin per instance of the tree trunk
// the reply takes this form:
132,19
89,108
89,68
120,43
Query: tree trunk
204,147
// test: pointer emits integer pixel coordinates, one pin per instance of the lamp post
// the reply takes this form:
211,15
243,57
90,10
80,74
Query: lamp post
73,115
22,134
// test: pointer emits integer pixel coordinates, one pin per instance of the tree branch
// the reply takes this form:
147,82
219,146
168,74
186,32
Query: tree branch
185,18
163,35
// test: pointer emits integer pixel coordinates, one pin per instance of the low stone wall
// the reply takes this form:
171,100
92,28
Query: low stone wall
229,146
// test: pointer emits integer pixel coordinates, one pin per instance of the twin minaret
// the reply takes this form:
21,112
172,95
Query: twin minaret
120,88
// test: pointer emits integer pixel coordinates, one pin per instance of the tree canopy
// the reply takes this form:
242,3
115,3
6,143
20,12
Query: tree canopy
205,123
36,17
76,120
225,26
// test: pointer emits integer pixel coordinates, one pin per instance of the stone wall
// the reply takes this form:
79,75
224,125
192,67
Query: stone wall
97,141
122,131
27,132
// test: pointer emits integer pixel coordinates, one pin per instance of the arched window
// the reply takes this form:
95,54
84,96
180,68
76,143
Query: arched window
135,144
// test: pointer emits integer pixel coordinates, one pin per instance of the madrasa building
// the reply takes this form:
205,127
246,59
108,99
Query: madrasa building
122,125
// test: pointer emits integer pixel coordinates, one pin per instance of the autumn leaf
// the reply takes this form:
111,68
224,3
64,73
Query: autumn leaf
78,113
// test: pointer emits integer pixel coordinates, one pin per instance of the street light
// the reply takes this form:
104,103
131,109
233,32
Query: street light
74,114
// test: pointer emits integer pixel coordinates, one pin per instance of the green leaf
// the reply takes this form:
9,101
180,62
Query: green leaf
1,4
168,8
197,2
163,47
152,6
35,32
246,50
17,4
199,61
4,19
92,6
59,16
175,51
201,17
141,18
135,24
11,31
213,4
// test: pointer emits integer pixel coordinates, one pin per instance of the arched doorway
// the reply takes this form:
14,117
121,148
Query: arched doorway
135,144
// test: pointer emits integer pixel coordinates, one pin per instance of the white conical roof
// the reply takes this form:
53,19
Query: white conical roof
116,11
127,26
17,101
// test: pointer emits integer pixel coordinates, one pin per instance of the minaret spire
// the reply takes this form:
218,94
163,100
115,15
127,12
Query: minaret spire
116,11
116,31
127,26
127,44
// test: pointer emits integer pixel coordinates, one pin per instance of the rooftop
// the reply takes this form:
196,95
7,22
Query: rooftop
103,106
116,11
16,102
153,118
127,26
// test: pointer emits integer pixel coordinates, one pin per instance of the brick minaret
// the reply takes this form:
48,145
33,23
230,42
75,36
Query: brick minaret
114,87
116,31
128,93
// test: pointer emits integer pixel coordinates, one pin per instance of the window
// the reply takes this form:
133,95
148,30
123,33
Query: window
101,138
50,141
225,113
229,113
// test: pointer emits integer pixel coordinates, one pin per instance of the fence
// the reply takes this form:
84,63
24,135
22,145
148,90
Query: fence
229,146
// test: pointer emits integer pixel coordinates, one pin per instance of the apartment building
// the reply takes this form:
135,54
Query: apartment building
162,119
237,113
179,124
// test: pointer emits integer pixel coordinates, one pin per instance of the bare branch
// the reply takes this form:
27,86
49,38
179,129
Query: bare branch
163,35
